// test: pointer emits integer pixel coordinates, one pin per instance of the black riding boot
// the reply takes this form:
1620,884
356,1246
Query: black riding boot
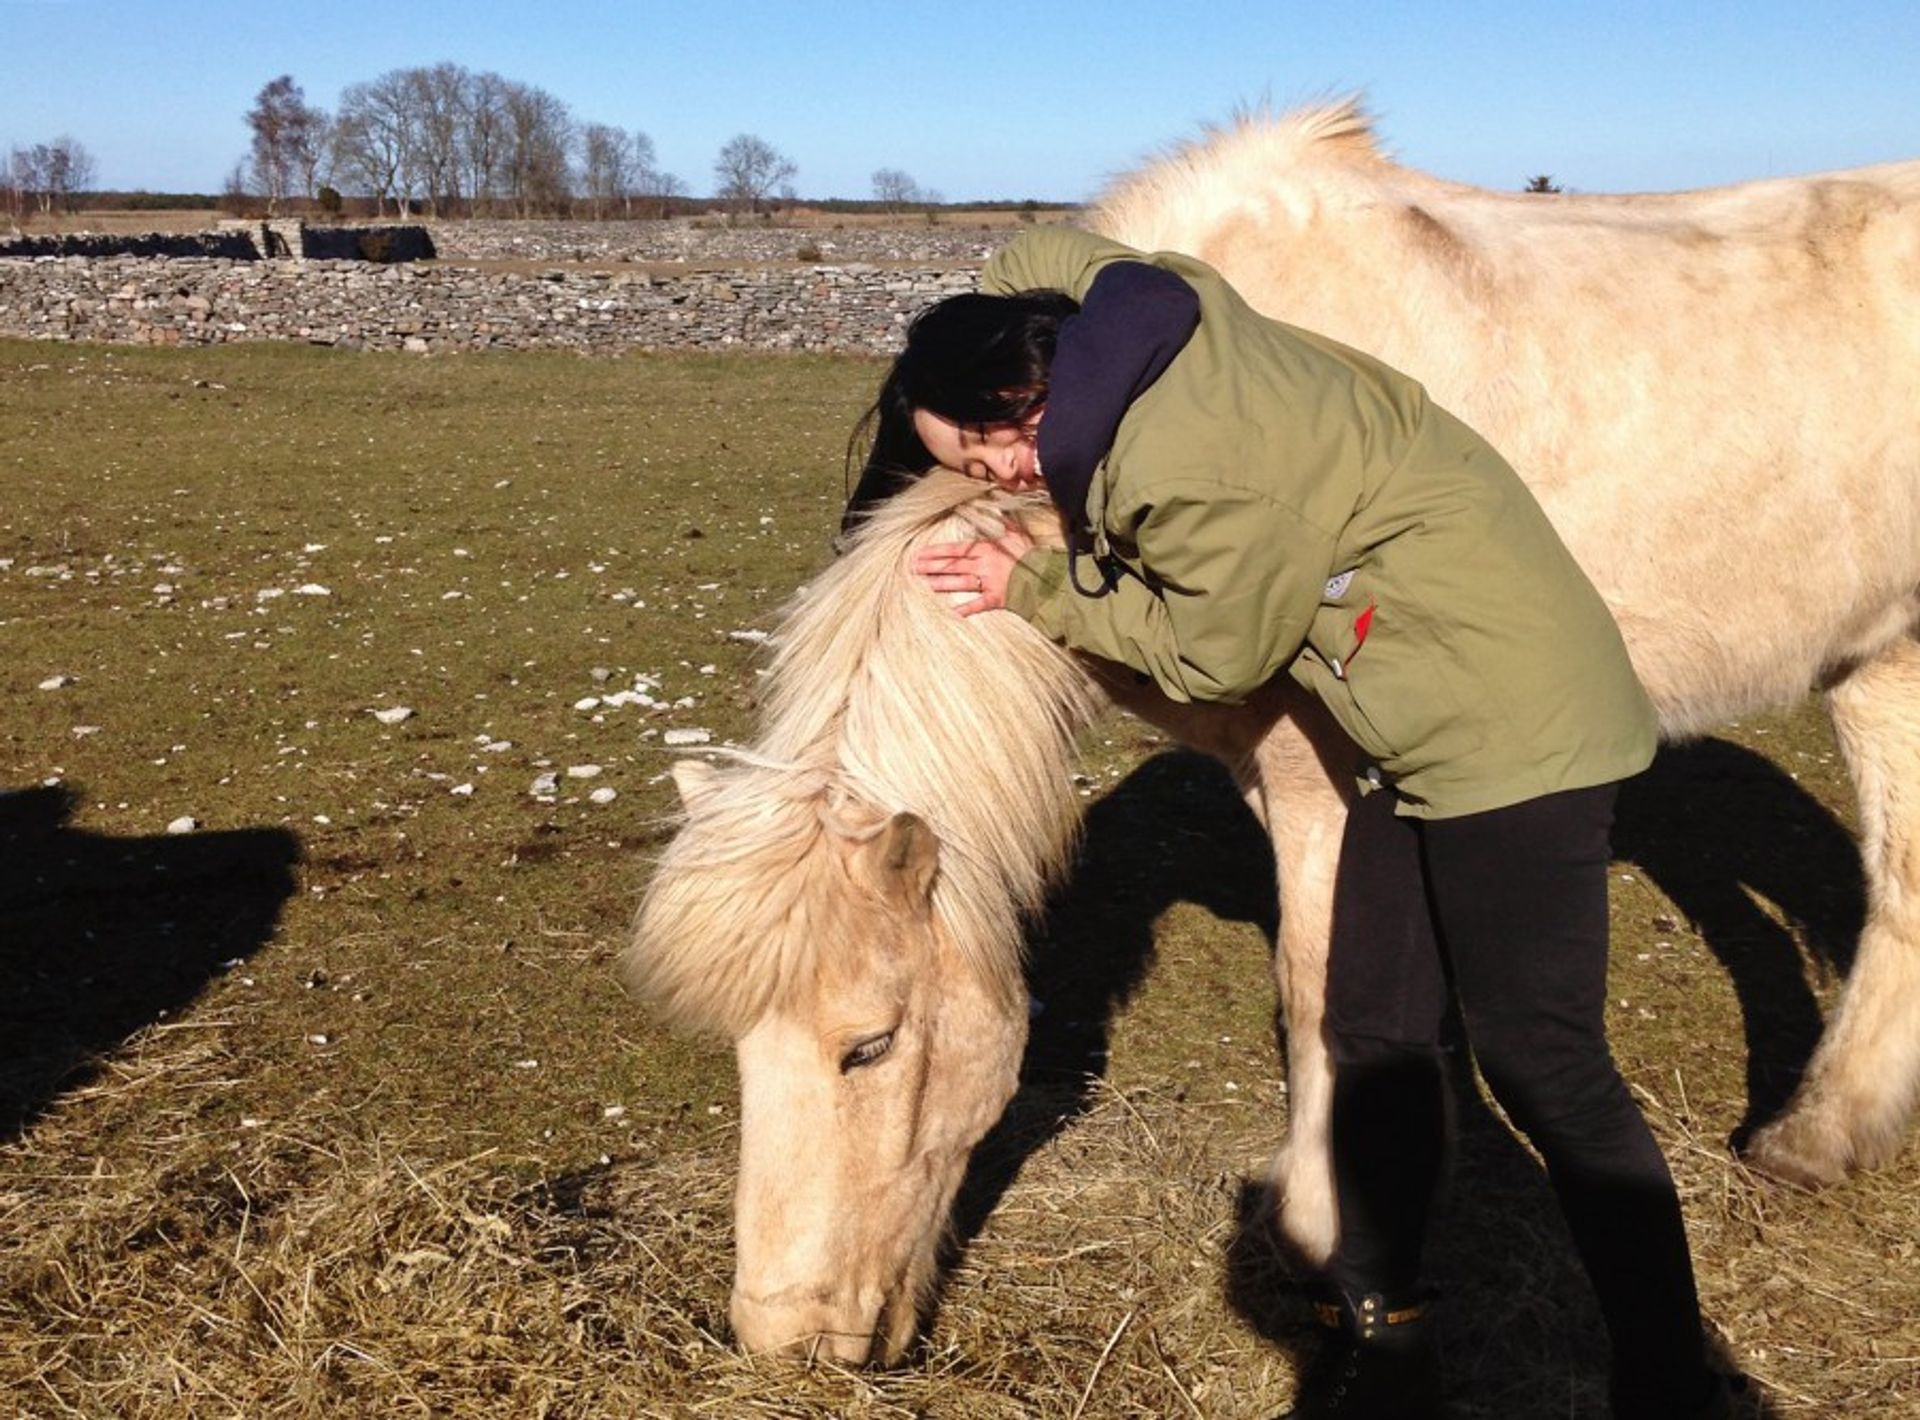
1379,1362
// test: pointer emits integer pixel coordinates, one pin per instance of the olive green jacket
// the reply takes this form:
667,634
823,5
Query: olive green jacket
1279,502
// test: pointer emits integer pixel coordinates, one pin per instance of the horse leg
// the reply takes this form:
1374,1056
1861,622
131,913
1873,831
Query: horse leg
1295,789
1852,1105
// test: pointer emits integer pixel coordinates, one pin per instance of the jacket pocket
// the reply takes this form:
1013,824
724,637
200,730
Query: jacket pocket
1391,683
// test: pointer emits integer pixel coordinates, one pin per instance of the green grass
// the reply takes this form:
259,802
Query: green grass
334,1106
489,532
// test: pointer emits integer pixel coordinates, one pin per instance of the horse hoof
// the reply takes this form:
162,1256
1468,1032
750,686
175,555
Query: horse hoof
1793,1151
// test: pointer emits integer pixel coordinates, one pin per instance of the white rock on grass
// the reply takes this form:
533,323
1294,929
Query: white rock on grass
605,794
393,714
312,589
582,771
630,697
587,702
678,738
545,785
56,682
186,823
464,791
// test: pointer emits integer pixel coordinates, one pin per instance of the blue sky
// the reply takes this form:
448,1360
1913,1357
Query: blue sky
1043,99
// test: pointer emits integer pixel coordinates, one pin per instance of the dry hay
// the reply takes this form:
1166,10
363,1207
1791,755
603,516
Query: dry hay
294,1274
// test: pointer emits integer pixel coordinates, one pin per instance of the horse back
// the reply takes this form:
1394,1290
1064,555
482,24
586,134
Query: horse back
1711,392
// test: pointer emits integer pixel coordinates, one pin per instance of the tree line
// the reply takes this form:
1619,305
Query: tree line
446,141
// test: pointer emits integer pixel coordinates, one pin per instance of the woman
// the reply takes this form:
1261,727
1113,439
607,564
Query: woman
1245,499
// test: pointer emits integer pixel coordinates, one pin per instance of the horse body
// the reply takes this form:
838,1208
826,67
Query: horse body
1716,398
1652,365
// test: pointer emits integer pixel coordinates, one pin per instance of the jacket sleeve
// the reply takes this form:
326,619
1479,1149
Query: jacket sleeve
1052,259
1237,580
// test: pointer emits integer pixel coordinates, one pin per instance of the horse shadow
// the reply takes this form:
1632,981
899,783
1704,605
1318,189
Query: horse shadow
1707,823
102,936
1714,826
1175,830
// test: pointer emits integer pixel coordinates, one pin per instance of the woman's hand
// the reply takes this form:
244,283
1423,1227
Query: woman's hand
981,566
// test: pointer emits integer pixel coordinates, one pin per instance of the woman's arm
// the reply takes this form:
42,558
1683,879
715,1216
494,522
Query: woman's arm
1052,259
1236,582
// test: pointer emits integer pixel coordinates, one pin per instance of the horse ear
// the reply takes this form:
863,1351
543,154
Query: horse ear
905,856
695,779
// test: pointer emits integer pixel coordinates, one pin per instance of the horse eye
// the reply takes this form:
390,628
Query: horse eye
866,1052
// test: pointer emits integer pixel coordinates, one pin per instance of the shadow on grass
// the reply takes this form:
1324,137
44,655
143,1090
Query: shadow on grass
102,936
1521,1330
1712,823
1175,830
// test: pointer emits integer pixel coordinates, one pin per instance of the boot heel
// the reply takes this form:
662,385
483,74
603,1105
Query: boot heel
1378,1363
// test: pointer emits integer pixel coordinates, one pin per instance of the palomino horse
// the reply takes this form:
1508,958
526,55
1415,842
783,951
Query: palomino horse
1716,397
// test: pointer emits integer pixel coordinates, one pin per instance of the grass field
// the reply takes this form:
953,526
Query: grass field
331,1106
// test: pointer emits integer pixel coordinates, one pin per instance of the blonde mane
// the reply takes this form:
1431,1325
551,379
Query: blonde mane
880,701
1229,173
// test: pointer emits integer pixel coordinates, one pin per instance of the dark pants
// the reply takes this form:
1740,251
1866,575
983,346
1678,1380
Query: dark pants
1513,904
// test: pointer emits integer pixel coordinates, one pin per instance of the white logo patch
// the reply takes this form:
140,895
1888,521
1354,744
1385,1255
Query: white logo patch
1337,585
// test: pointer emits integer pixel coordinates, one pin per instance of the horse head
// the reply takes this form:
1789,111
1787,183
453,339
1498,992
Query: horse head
844,903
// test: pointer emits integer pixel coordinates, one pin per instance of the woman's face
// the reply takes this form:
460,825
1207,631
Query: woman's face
1000,454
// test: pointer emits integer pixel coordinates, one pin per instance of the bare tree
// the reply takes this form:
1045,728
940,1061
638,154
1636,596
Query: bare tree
657,190
313,153
376,142
288,137
645,173
1542,183
539,130
748,169
894,189
236,200
78,171
609,166
17,186
484,139
50,175
439,98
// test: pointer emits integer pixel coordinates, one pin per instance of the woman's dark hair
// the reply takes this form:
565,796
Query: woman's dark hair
973,359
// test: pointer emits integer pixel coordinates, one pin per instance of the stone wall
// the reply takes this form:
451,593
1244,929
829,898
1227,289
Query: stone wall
235,246
850,306
710,240
238,241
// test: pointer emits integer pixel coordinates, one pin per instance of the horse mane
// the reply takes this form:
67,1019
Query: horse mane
879,701
1230,168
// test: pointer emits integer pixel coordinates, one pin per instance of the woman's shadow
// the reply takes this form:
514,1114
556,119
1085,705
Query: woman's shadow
101,936
1709,822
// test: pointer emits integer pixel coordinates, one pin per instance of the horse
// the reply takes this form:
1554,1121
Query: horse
845,900
1708,392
